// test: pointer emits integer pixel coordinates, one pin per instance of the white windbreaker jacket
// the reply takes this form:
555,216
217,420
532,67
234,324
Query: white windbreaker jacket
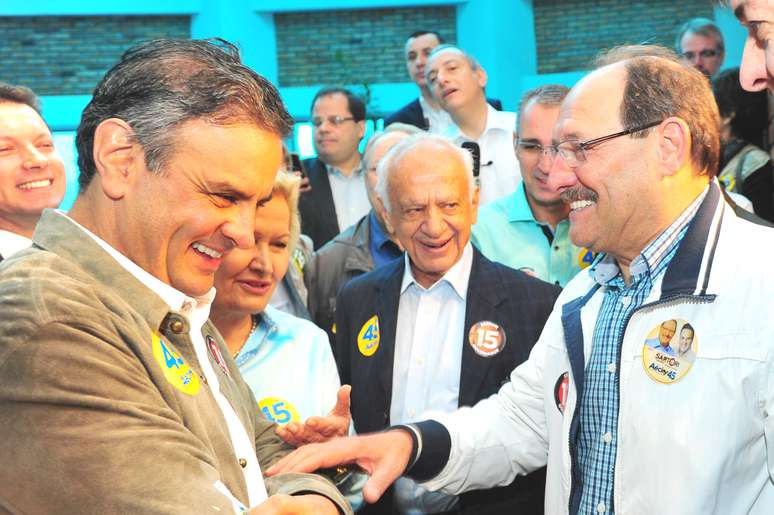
702,444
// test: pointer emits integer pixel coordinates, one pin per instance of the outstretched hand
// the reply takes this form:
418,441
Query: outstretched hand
383,456
320,429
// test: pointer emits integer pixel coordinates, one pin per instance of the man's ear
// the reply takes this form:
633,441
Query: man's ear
482,77
674,144
115,155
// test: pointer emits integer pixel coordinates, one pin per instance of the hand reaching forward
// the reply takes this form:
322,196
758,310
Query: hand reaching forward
320,429
383,456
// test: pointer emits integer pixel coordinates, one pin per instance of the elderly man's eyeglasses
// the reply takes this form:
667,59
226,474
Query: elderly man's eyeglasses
574,152
705,54
333,120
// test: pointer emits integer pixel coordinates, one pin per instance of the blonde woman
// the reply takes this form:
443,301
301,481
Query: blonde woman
287,361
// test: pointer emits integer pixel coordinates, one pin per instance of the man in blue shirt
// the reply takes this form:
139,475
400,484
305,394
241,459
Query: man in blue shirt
528,230
666,331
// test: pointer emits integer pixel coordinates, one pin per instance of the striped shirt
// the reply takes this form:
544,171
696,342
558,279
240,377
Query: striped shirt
597,440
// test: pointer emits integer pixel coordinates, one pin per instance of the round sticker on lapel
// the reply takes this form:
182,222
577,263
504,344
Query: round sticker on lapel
486,338
669,350
561,390
176,370
368,337
278,410
585,257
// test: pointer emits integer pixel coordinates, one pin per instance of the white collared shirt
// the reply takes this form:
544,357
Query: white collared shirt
349,195
197,310
500,171
438,120
11,243
427,363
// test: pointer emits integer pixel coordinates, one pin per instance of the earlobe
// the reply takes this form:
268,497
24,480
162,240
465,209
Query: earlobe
482,77
114,156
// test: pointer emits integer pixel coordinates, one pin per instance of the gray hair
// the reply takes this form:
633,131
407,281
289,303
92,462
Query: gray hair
472,61
703,27
548,94
157,86
394,128
391,161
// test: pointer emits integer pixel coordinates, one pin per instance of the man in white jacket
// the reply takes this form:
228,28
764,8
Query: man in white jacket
636,148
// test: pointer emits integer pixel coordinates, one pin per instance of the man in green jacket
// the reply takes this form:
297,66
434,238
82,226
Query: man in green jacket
117,395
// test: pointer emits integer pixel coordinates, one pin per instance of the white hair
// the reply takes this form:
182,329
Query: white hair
392,160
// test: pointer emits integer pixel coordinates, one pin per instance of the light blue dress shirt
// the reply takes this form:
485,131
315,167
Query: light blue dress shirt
427,363
288,363
508,233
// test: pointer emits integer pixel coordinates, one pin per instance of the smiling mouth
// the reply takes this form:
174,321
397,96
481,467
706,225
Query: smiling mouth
580,204
207,251
33,185
259,287
436,246
448,92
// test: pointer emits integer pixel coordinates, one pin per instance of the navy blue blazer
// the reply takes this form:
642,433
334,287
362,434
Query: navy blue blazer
316,207
518,303
412,113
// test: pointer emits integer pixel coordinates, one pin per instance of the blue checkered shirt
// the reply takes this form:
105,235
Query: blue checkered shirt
598,438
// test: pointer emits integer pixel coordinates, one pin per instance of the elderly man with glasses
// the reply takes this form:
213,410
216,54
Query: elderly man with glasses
528,230
337,198
636,148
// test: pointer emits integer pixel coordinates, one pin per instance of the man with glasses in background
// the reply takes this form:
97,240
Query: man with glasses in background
637,152
528,230
337,198
700,43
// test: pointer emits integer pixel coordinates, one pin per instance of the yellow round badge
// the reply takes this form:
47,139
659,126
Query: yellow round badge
368,337
585,257
278,410
176,370
669,350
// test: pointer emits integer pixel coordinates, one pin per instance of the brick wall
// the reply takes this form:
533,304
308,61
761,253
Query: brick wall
354,46
67,55
570,33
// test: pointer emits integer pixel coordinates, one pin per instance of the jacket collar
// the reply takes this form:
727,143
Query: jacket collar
689,271
62,236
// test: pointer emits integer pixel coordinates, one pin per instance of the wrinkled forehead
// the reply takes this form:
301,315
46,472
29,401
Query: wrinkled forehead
593,105
447,55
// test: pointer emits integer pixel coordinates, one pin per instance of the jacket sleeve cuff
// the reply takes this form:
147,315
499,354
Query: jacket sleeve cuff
430,450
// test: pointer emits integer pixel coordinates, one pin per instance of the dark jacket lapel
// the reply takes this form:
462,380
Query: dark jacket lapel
387,292
485,293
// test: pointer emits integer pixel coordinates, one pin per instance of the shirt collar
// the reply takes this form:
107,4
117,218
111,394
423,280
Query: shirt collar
606,267
519,209
495,120
427,108
175,299
457,276
356,172
378,236
11,243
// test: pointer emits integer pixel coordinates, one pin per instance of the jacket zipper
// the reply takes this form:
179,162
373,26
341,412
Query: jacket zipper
574,479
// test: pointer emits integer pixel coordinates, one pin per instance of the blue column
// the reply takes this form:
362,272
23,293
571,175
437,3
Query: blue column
501,35
237,22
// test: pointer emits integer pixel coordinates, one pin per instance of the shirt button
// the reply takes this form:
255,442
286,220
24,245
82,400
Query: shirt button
601,508
420,362
607,437
626,301
242,462
611,368
412,412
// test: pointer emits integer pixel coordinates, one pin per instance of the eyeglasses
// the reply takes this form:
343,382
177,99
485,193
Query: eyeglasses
333,120
574,152
706,54
534,150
